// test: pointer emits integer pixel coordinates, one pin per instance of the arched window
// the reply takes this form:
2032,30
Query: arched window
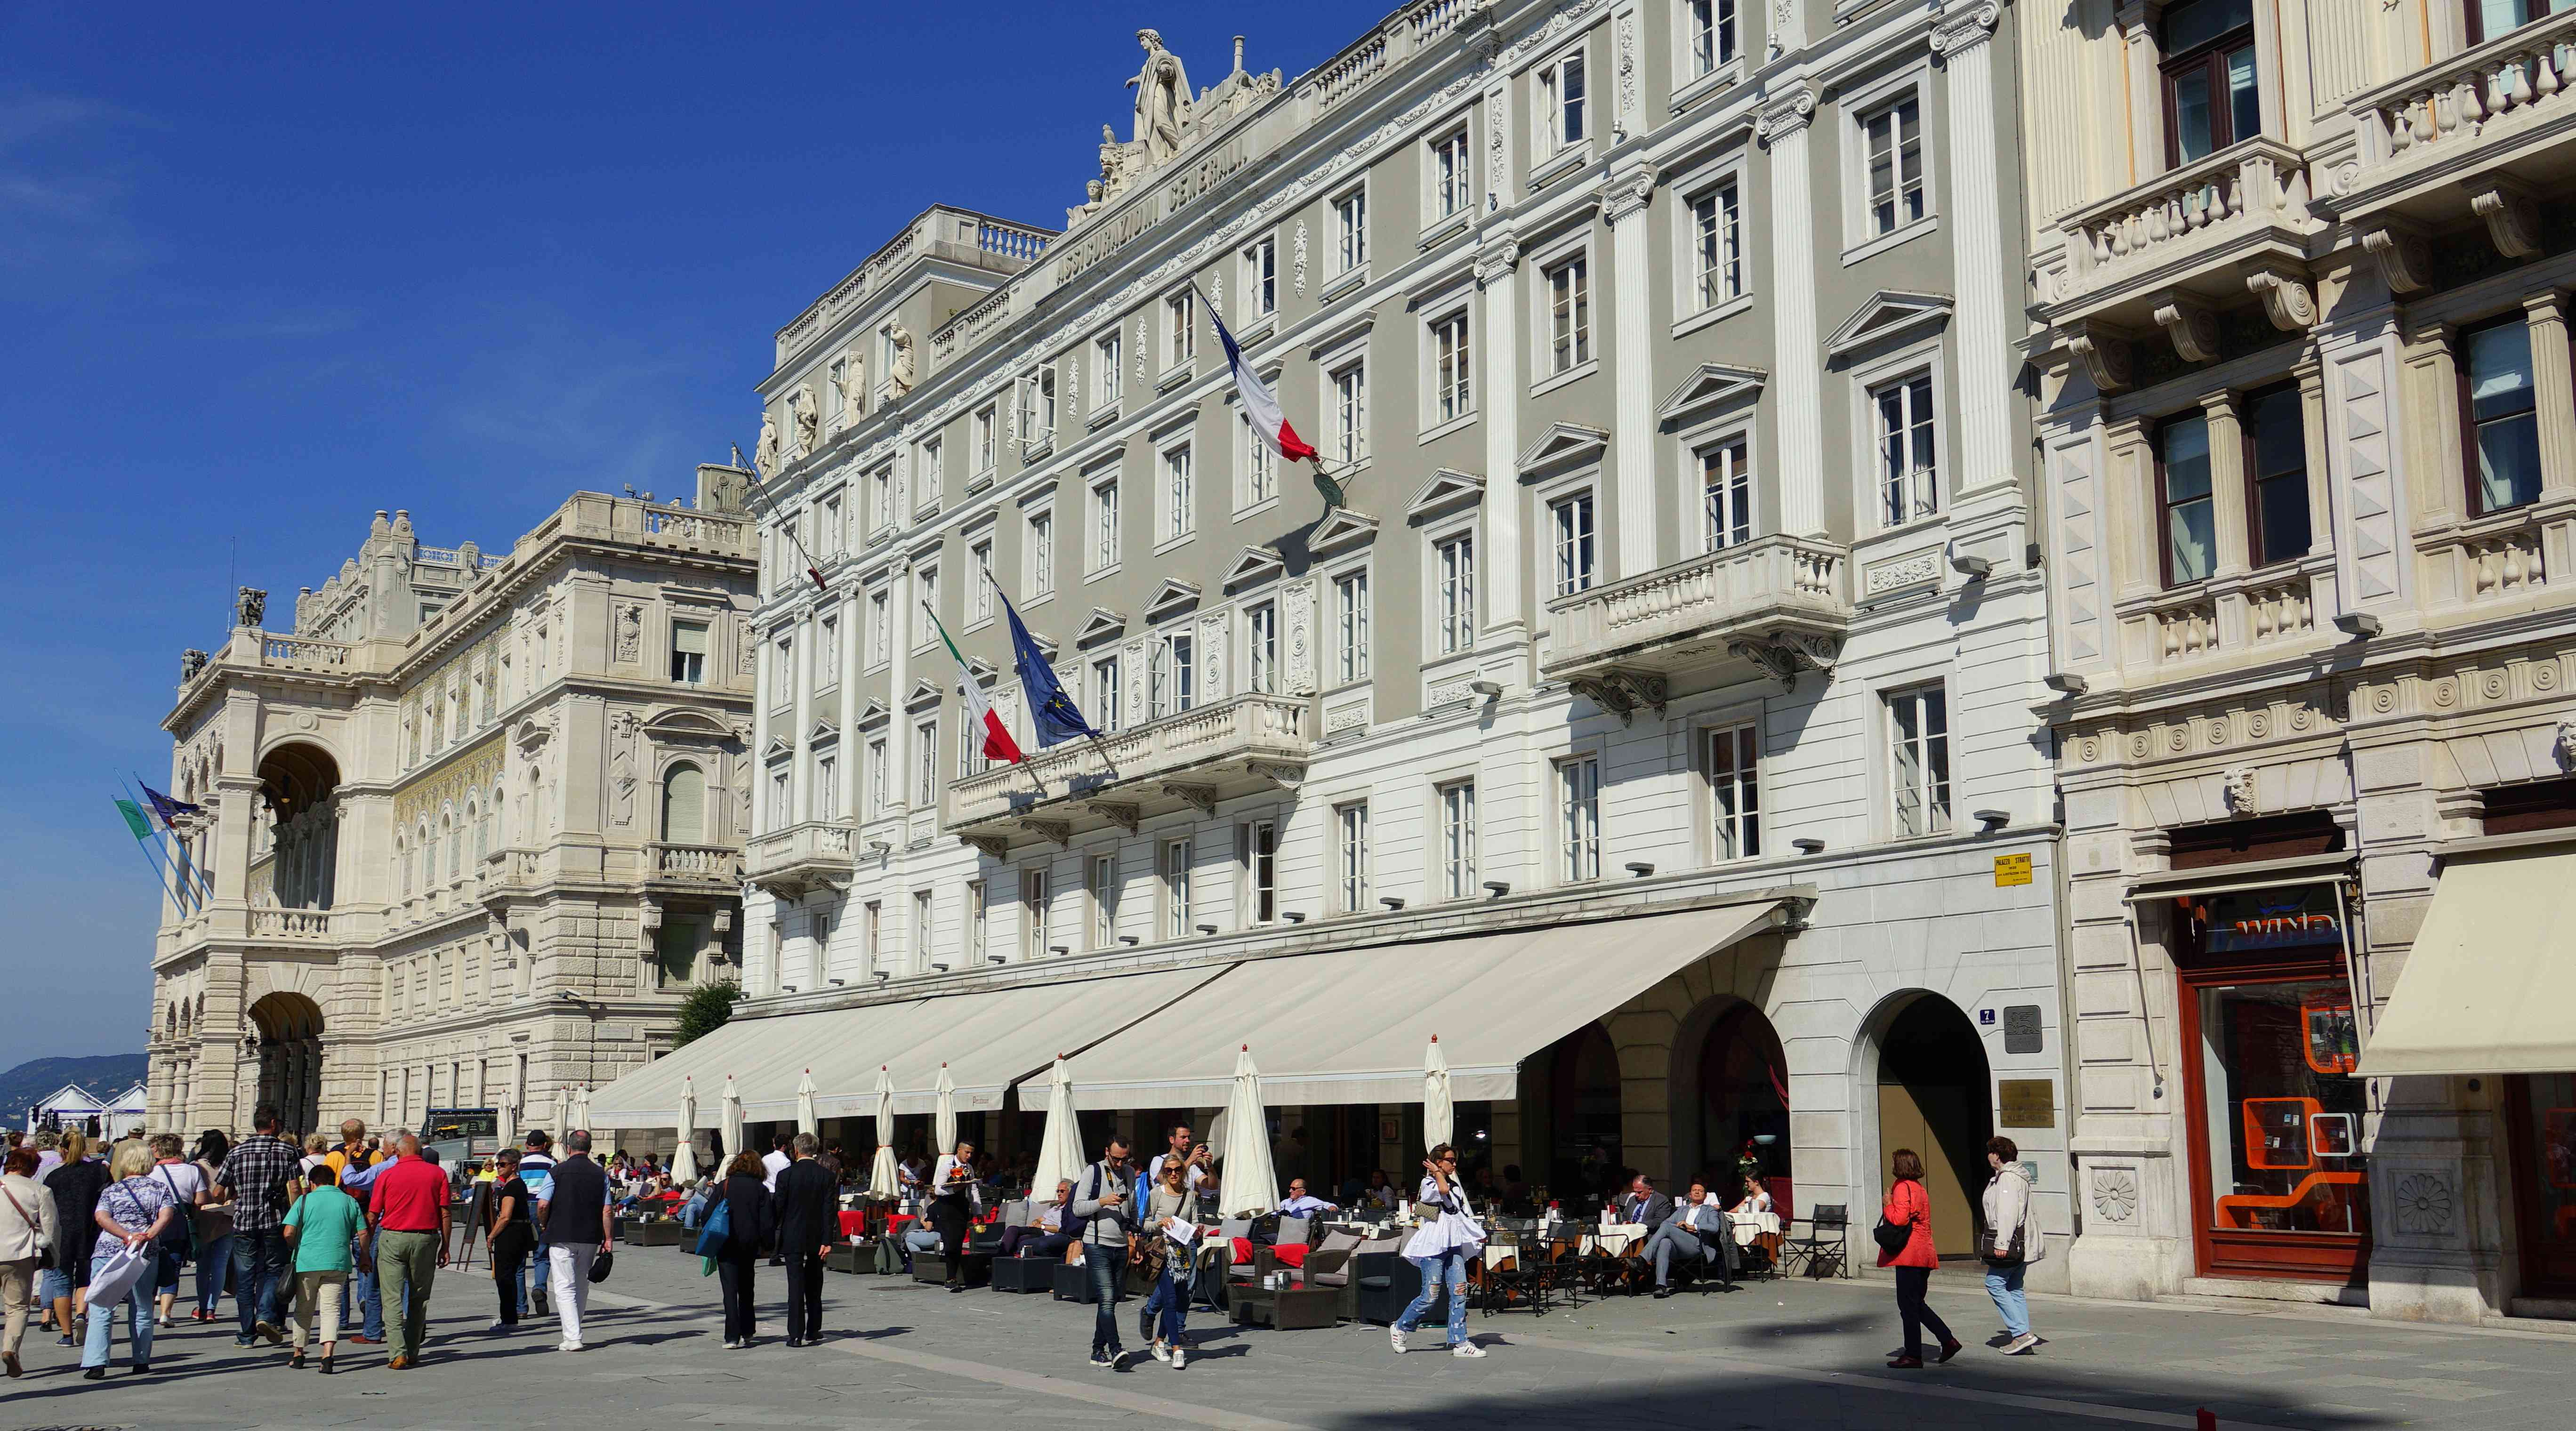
482,822
684,805
428,859
402,865
455,848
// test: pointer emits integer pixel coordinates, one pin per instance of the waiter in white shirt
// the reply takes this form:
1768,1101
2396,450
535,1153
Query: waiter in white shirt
1695,1227
772,1163
953,1199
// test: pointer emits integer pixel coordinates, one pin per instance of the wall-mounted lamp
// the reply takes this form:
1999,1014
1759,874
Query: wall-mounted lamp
1205,928
995,959
787,988
1390,901
1498,887
1640,868
1490,690
1130,940
942,968
1058,949
1808,845
880,976
1293,916
1992,819
837,983
1974,568
878,847
2360,625
2066,683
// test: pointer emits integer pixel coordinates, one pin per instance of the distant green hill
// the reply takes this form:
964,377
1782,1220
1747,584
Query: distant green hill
103,1077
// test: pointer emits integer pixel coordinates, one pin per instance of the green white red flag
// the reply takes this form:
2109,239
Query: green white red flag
998,744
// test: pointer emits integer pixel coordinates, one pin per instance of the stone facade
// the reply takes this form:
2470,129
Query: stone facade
2309,582
1661,514
469,830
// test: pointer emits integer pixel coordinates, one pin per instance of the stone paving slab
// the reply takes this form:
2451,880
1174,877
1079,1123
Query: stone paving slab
1792,1356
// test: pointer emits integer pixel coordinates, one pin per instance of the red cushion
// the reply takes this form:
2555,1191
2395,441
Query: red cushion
1293,1255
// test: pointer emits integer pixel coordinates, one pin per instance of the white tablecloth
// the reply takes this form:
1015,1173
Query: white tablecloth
1749,1225
1615,1239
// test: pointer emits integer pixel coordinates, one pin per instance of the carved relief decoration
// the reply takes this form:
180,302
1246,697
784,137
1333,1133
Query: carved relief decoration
2238,785
2361,417
2115,1194
630,633
2078,546
621,768
1297,604
2424,1204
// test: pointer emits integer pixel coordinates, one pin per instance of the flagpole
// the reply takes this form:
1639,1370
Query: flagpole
191,892
966,675
759,484
1313,459
159,876
202,886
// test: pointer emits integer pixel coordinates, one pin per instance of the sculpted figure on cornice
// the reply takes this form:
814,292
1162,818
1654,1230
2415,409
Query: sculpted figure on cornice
899,370
1163,109
809,418
851,381
250,606
764,454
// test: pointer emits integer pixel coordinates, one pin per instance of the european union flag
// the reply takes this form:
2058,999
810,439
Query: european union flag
1052,711
169,809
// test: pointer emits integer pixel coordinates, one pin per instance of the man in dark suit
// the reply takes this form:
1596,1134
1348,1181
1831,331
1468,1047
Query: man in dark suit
1641,1203
809,1222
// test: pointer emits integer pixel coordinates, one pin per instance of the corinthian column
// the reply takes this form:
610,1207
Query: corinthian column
1632,445
1984,384
1798,411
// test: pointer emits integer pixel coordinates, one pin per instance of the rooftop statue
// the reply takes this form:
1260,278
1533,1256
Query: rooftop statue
1162,99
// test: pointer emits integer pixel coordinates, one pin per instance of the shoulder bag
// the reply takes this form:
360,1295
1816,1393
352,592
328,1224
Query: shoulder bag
2015,1252
1892,1236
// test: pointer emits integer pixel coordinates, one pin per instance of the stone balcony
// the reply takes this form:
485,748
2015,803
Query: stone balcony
1779,605
2479,133
293,926
710,868
2171,252
1235,746
789,862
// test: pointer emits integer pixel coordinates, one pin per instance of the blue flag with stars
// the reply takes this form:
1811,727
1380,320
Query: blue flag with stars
1053,712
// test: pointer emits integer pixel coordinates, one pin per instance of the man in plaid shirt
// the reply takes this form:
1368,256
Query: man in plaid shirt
256,1168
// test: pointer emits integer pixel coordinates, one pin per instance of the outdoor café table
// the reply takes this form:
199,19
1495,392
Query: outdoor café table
1750,1225
1608,1255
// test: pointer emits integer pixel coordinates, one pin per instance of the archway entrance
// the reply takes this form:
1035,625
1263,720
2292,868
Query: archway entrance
1583,1114
1743,1105
1933,1097
299,785
288,1034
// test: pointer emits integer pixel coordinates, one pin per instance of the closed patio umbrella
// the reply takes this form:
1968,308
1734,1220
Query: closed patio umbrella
580,1107
732,1119
883,1182
1060,1146
684,1158
1439,1110
1248,1184
944,1122
510,1105
806,1122
563,1110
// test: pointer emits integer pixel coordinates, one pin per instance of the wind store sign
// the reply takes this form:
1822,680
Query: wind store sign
1187,186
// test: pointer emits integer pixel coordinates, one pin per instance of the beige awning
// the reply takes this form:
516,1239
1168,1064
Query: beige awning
2490,986
1350,1025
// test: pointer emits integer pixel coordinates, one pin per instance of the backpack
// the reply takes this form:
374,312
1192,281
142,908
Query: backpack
181,1235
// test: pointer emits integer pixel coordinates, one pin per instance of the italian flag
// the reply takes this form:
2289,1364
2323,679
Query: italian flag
998,744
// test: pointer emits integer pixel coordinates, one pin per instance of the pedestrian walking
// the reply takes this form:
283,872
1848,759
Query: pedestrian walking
410,1212
750,1220
253,1179
187,1185
954,1196
574,1211
512,1236
1167,1239
809,1222
536,1169
28,1236
2016,1244
351,1158
327,1231
1103,1201
133,1212
214,1225
74,1184
1440,1250
1909,1207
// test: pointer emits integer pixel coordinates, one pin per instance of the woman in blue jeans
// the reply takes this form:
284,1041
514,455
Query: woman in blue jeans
1439,1251
1167,1210
2008,1216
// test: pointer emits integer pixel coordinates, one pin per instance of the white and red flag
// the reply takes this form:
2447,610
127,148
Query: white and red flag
1258,404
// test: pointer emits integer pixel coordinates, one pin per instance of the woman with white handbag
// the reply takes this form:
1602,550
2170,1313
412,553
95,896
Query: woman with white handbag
132,1214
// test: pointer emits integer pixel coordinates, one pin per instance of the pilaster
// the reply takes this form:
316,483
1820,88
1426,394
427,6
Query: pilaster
2553,390
800,782
1787,115
1986,368
1633,438
899,626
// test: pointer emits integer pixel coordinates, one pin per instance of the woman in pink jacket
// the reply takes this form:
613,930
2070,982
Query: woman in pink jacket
1910,1207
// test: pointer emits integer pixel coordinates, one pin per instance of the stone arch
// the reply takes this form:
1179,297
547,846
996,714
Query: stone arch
286,1037
299,782
684,803
1920,1076
1730,1090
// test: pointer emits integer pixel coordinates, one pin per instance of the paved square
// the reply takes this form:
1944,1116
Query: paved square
1788,1356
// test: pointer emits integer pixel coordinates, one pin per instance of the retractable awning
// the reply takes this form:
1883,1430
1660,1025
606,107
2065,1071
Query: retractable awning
650,1096
2489,983
1350,1025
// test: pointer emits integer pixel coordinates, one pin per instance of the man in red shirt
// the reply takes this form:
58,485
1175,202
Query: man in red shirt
410,1212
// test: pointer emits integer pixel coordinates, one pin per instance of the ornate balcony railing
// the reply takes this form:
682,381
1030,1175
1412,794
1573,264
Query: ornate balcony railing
296,924
697,864
1404,35
1225,748
1780,603
2195,229
800,857
302,653
2475,97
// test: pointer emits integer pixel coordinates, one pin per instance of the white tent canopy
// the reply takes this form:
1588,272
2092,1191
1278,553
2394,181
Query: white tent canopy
1350,1025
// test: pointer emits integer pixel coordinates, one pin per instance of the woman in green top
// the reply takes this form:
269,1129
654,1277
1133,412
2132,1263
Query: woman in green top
321,1227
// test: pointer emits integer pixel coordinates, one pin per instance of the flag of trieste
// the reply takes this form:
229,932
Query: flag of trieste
1258,404
998,744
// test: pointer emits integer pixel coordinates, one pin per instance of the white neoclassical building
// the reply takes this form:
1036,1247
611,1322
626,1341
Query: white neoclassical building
1654,725
470,824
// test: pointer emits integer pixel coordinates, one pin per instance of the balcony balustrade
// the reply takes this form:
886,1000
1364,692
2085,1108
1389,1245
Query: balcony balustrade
294,925
1779,604
702,866
2163,252
2479,132
1213,752
803,857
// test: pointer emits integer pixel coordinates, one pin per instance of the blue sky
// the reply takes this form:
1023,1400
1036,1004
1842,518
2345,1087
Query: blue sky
265,269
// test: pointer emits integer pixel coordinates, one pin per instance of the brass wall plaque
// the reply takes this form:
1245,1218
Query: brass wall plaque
2026,1102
